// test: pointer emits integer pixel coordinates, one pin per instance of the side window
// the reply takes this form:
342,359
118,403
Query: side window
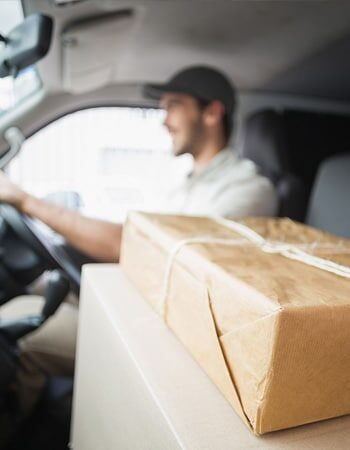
104,160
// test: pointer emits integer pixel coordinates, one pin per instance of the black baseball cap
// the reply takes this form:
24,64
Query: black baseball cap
202,82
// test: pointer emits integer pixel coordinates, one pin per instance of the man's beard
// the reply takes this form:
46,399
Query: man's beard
194,140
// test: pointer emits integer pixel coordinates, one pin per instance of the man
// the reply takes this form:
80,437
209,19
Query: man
199,104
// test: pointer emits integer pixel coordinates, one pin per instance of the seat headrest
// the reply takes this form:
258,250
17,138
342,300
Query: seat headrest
264,142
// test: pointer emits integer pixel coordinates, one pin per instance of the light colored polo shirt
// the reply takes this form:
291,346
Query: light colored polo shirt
228,186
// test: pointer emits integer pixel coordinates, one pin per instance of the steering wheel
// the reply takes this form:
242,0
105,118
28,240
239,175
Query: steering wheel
53,253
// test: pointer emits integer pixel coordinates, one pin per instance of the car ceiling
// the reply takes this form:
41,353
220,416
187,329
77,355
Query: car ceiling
290,47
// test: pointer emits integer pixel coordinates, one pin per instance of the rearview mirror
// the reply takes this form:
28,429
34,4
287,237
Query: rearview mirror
25,44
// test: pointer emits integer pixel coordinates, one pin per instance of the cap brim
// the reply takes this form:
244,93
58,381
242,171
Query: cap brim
155,91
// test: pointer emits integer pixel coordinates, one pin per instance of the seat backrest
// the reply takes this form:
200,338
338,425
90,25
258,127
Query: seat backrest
329,202
265,143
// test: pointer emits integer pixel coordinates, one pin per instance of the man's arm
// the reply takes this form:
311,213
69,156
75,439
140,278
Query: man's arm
97,238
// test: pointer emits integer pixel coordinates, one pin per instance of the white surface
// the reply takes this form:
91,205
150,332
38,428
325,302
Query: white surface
138,388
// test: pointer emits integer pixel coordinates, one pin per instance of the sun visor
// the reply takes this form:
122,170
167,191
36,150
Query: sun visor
92,51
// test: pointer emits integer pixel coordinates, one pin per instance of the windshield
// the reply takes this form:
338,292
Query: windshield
11,14
13,90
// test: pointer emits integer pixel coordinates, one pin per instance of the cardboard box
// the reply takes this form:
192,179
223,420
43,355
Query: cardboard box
271,332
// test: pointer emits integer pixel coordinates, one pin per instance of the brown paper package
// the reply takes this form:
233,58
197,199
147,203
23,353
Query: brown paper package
272,333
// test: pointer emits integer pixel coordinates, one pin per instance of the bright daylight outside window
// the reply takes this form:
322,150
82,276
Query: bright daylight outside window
13,90
116,159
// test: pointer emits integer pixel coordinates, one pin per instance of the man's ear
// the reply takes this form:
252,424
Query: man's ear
214,113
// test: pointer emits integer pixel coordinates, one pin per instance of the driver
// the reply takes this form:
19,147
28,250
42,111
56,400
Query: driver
199,104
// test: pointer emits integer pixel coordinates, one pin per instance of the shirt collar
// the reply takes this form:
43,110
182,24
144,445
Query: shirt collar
219,160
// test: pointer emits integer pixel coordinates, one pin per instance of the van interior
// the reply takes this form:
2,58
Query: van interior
289,63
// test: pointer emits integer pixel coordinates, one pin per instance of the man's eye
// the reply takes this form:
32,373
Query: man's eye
172,104
169,105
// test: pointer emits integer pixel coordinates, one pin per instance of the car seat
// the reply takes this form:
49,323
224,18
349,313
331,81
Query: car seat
329,205
265,143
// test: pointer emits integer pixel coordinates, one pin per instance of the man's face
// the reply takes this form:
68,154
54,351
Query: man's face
183,121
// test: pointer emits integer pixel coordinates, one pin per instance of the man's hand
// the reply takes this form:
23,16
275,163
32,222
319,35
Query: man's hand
11,193
97,238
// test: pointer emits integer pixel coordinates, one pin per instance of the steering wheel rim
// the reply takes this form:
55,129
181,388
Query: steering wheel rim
26,230
54,255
